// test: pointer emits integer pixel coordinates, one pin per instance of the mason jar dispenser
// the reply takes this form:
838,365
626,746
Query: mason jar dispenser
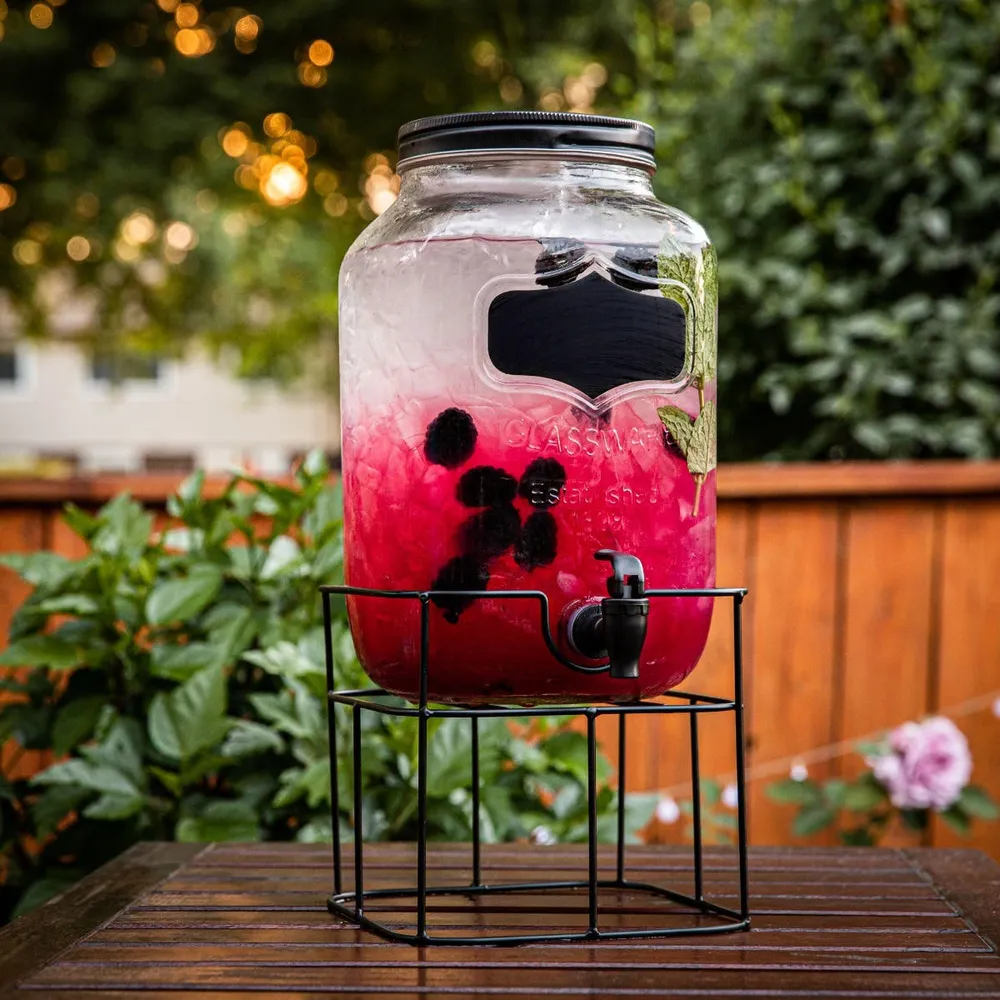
527,347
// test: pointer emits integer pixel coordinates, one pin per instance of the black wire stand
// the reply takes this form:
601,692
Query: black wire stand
351,904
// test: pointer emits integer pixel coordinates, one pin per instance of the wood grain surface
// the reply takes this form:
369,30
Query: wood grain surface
250,920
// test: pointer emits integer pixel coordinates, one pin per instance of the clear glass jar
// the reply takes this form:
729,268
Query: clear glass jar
527,341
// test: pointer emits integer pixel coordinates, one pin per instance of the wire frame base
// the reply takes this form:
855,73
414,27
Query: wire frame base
351,905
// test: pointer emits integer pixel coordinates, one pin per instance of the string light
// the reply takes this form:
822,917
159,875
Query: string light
41,16
187,15
321,52
311,75
194,42
181,236
381,186
87,205
283,184
27,252
138,228
277,124
235,142
168,6
103,55
7,196
78,248
14,167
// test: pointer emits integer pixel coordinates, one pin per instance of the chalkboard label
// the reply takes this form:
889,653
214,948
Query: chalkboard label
591,334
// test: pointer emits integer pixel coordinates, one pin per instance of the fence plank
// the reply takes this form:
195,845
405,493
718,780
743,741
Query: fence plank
793,629
969,654
21,530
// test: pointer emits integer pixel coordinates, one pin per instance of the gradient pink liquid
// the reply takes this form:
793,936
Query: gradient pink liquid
625,489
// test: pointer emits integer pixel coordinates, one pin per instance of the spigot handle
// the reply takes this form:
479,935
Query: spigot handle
628,578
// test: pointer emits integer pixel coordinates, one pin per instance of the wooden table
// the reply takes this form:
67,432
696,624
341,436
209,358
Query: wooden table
214,922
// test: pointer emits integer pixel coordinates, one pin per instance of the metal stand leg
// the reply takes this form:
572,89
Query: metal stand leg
477,878
622,771
592,819
359,824
331,728
741,778
422,720
696,807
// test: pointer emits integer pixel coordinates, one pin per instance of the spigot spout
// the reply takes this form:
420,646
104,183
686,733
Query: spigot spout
617,627
625,620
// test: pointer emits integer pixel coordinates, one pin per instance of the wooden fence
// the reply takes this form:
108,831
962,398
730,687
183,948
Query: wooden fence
874,598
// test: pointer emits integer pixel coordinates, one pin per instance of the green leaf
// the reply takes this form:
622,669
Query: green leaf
812,819
191,718
803,793
220,821
84,774
956,818
679,425
113,805
124,528
246,738
40,569
976,801
75,722
180,600
40,651
80,522
68,604
701,448
171,781
121,748
178,663
54,805
864,794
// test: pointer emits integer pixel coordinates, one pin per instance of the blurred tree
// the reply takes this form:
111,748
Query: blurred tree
173,168
202,168
845,156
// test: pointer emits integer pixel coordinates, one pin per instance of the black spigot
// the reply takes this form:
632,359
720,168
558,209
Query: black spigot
617,627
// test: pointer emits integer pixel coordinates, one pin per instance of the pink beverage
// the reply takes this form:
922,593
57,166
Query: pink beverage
522,386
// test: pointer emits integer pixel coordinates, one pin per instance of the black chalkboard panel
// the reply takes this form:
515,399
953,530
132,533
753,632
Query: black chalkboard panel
591,334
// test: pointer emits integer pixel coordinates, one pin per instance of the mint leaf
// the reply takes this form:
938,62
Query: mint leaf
679,426
701,450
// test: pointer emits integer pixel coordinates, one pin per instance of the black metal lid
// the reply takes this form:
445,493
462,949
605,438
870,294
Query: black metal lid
498,131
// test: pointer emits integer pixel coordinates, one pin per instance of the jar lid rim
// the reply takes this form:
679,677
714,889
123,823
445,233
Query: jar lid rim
525,131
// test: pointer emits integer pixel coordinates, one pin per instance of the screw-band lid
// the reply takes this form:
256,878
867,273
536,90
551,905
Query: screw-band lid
528,131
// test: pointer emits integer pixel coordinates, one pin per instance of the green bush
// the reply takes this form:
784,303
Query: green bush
178,677
845,157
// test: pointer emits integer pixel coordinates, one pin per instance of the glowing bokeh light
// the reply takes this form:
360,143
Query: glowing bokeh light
194,42
87,205
181,236
78,248
321,52
102,55
138,228
27,252
169,6
277,124
283,185
41,16
247,28
14,167
187,15
235,142
8,196
310,75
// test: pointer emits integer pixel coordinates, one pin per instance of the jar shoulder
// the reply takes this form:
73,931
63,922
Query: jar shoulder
600,217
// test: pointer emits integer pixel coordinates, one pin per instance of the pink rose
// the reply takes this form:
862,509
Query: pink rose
928,764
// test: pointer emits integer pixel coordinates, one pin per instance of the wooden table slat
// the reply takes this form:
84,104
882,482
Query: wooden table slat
230,921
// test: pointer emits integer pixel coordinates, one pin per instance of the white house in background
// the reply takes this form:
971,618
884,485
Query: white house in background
61,408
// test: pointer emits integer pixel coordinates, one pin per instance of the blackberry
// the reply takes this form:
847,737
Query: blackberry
537,544
486,486
490,533
461,573
641,264
451,438
541,482
557,255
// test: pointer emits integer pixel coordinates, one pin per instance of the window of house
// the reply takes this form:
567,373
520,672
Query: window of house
162,461
125,367
8,367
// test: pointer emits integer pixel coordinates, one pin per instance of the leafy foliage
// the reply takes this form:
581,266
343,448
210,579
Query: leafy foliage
179,675
860,811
